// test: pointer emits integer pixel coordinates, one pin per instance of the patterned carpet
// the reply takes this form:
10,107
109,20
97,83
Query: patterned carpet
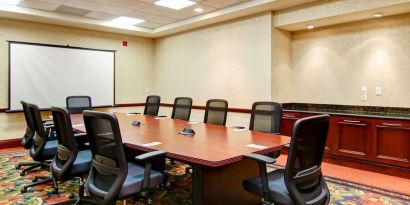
342,192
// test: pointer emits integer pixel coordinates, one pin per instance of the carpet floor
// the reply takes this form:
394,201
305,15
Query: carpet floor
342,192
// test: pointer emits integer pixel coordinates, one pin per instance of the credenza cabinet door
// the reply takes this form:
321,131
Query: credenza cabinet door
287,122
391,144
352,137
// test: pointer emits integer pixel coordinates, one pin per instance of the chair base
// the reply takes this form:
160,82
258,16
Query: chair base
36,181
34,165
24,164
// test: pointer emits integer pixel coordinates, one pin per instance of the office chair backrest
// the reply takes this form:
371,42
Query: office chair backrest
27,139
40,136
109,164
77,104
216,111
182,108
303,175
152,105
67,146
265,117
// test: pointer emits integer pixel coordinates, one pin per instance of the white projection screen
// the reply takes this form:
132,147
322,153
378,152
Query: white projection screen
46,74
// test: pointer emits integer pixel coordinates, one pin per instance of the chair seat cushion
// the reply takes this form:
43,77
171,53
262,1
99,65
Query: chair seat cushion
134,180
49,150
277,188
81,164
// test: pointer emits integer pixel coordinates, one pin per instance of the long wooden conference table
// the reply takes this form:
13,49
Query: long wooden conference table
215,152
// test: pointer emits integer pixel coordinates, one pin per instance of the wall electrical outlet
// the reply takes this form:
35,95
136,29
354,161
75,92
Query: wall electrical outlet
379,91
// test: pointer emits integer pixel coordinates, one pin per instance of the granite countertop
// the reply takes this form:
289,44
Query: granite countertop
350,110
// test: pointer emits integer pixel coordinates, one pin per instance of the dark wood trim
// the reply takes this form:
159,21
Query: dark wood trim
368,166
10,143
3,109
129,104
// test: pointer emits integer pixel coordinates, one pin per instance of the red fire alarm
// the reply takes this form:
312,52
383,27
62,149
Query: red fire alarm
124,43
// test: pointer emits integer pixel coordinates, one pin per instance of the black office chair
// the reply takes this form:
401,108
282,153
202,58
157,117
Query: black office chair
182,108
77,104
42,149
111,177
301,182
216,111
27,139
265,117
70,161
152,104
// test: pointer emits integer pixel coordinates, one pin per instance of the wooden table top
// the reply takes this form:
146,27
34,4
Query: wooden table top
212,145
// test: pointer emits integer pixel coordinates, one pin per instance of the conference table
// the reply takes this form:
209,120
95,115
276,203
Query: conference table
215,153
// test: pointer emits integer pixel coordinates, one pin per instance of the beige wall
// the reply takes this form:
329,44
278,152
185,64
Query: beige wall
231,60
331,64
133,63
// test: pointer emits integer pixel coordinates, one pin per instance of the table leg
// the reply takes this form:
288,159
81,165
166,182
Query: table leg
223,185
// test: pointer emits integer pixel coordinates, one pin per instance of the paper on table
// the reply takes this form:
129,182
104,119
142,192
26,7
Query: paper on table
151,144
257,146
78,125
128,114
239,129
193,122
159,118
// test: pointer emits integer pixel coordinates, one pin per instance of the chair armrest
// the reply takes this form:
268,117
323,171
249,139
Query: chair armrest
260,158
149,155
148,164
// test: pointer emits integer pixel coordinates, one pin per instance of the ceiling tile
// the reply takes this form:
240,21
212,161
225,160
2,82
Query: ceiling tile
163,11
103,1
100,16
72,10
83,4
114,10
221,3
152,17
41,5
190,11
150,25
130,4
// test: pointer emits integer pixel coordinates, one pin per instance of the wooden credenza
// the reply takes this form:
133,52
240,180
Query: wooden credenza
375,140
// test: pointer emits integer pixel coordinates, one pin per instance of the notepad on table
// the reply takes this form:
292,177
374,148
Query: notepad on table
151,144
257,146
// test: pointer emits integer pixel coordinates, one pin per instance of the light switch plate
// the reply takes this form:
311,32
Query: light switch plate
379,91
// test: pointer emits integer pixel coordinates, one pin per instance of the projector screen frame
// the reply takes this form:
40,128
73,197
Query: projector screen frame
57,46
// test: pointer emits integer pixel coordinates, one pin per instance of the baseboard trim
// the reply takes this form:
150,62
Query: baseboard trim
10,143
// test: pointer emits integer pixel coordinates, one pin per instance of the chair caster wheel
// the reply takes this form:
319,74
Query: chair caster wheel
24,190
35,179
22,174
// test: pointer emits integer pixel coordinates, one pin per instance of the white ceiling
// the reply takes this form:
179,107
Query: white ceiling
154,16
159,21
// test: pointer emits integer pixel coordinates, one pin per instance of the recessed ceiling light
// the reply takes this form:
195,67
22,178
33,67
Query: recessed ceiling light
310,27
13,2
174,4
199,9
378,14
126,21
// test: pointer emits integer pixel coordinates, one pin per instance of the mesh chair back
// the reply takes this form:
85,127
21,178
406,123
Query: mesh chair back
182,108
40,136
27,139
216,111
77,104
109,165
303,175
265,117
67,146
152,105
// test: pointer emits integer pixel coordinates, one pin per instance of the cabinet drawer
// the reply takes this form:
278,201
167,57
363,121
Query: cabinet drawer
391,144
